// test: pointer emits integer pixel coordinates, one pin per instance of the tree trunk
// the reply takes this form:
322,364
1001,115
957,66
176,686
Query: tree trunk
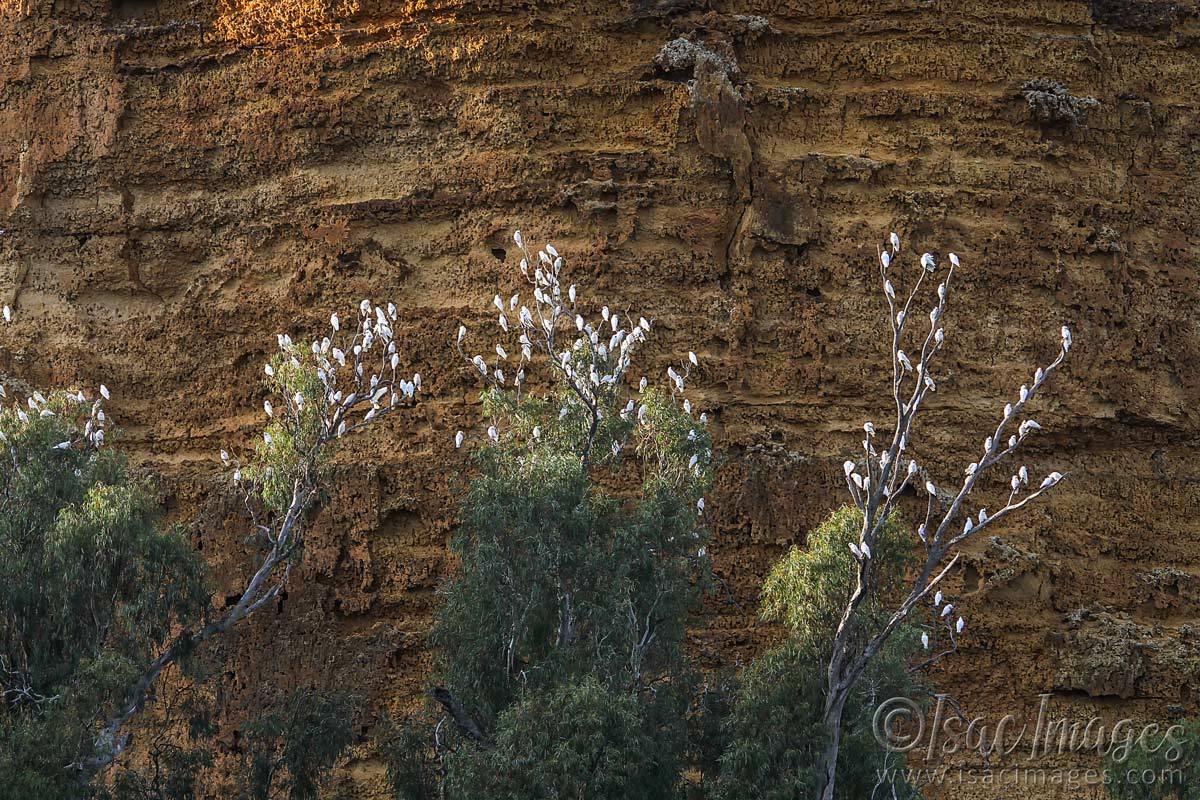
459,714
829,757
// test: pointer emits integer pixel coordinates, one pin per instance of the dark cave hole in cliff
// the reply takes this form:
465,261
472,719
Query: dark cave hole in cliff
972,580
500,253
1137,14
133,9
682,75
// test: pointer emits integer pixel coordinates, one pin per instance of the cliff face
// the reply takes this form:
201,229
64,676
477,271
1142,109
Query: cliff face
181,180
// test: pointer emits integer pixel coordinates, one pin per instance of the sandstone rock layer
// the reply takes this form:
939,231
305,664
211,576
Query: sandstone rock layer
180,180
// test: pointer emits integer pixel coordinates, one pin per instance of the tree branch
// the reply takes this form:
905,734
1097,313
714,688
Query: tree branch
459,714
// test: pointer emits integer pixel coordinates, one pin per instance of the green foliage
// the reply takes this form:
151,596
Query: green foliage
293,439
292,749
176,746
406,749
560,578
807,590
580,741
576,581
1161,767
712,699
556,428
775,731
97,603
89,591
173,772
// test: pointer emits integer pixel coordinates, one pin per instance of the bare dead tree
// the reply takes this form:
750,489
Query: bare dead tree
877,493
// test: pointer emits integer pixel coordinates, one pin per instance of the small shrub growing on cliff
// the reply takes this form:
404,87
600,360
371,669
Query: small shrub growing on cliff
583,538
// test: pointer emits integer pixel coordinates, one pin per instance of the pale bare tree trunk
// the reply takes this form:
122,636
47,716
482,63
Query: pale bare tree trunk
829,756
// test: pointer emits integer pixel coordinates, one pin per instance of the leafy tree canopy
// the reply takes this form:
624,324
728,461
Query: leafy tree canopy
90,588
774,732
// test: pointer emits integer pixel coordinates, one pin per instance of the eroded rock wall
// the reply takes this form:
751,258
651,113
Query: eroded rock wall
181,180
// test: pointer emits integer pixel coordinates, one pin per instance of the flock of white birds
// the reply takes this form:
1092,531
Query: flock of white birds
877,488
590,357
358,370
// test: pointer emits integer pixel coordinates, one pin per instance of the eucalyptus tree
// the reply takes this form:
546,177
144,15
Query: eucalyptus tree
774,732
99,599
582,548
91,587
